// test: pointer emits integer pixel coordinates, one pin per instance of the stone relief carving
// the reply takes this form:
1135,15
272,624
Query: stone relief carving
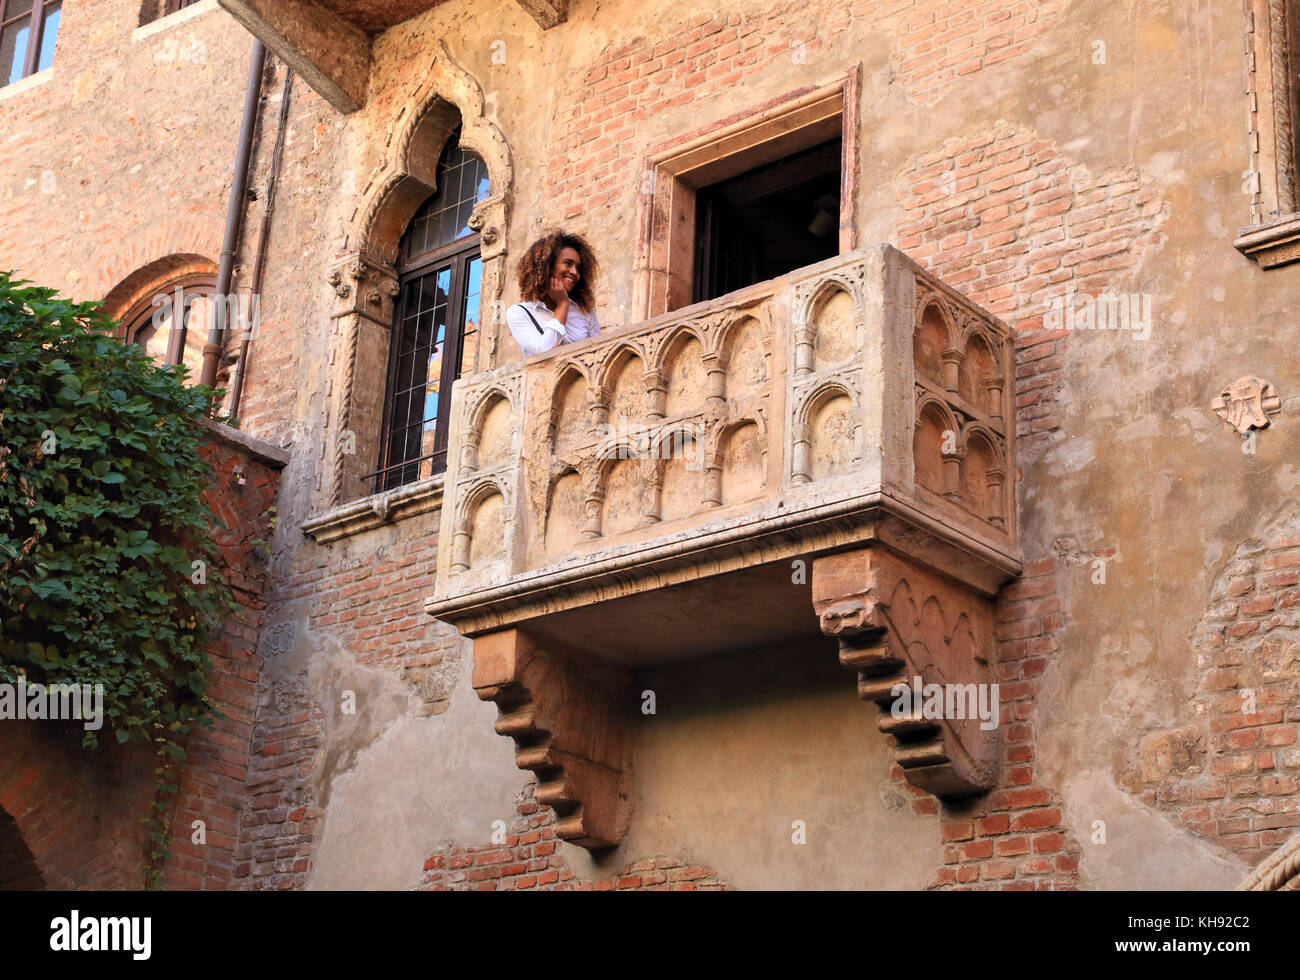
961,390
365,281
1246,404
574,461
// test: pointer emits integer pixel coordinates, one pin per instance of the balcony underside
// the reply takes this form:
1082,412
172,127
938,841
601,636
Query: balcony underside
328,42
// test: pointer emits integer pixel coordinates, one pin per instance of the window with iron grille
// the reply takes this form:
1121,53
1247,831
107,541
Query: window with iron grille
171,6
27,34
435,328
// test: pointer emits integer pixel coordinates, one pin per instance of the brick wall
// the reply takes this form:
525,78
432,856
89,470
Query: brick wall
708,56
79,813
1014,838
212,785
1012,222
129,143
1231,771
528,860
372,607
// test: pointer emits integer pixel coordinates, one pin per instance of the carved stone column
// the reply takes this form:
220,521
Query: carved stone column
656,389
591,522
899,623
804,338
598,405
951,367
365,292
567,722
712,479
951,464
801,438
654,471
716,367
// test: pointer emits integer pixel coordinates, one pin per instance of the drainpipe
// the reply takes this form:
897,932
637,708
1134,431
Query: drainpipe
234,215
259,264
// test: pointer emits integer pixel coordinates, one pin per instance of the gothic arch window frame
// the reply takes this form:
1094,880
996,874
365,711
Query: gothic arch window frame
1272,45
364,279
456,258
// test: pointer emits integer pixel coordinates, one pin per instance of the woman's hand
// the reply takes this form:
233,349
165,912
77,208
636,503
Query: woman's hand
558,296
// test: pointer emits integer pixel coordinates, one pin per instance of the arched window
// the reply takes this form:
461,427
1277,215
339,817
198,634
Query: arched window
435,322
171,339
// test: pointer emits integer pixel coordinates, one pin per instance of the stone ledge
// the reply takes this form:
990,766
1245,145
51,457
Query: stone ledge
1272,244
168,21
776,535
261,451
375,510
24,84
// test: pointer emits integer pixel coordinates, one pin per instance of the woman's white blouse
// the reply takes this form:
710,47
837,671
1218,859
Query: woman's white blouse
579,326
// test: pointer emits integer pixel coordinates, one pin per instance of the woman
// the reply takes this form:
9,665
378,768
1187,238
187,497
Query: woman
556,278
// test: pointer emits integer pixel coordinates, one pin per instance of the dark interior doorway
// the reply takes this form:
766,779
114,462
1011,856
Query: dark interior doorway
767,221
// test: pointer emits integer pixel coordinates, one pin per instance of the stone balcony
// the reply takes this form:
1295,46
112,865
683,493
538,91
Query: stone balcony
829,450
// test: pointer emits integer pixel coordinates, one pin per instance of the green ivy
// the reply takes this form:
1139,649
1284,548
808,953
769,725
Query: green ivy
102,524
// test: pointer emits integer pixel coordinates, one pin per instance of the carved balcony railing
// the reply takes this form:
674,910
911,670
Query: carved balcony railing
665,490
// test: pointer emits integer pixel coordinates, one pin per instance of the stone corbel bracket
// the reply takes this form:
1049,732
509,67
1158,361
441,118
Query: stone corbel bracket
897,621
564,721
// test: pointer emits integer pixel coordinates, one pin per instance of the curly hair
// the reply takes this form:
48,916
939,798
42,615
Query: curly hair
538,264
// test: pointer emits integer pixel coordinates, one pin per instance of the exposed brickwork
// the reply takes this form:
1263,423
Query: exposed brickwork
372,607
529,861
940,42
279,822
212,786
134,170
1009,220
1230,773
936,42
375,605
130,145
270,408
80,814
80,822
1014,838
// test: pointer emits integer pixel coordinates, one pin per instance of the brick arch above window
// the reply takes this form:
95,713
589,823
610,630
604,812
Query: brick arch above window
136,289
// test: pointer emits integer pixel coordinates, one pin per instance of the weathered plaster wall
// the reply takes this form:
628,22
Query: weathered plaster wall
121,154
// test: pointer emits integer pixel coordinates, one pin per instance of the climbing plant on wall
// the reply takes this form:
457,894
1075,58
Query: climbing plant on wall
106,559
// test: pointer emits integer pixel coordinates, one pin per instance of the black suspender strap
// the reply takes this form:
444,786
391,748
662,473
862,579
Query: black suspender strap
533,318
